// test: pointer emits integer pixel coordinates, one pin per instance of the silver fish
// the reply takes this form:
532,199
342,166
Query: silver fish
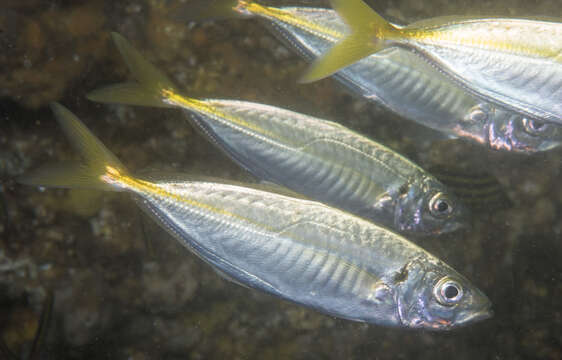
320,159
298,250
515,63
409,84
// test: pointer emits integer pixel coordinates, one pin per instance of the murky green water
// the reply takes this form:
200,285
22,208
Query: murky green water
124,289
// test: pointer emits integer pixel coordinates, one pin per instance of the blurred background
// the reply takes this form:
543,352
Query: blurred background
122,288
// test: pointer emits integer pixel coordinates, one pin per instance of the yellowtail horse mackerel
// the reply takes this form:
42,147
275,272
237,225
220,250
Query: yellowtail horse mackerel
319,159
398,78
516,63
299,250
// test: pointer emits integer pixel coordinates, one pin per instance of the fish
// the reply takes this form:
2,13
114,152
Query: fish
296,249
395,77
319,159
402,80
515,63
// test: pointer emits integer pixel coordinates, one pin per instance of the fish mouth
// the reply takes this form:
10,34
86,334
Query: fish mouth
454,226
443,325
468,318
484,313
462,221
479,316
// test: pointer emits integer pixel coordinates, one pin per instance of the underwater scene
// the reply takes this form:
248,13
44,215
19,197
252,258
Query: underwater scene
275,179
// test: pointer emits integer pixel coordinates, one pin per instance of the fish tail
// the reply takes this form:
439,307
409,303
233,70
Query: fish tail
369,32
99,168
150,86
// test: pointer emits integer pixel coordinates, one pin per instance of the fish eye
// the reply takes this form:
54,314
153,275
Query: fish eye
534,126
440,205
448,292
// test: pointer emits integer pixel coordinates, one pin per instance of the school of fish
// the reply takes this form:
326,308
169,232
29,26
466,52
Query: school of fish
332,221
317,158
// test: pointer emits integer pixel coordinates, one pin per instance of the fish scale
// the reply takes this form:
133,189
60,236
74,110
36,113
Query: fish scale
496,59
299,250
307,155
509,78
297,163
313,31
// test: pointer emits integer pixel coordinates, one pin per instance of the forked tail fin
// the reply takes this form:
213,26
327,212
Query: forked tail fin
152,87
99,168
369,32
149,87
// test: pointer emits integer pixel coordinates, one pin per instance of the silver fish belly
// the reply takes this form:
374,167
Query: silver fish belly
413,87
319,159
310,254
330,163
300,250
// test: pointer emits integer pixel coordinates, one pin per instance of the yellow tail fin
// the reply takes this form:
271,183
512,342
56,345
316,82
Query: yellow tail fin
97,168
368,34
150,85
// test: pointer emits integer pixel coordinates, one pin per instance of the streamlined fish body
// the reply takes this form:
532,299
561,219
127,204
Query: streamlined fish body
299,250
409,84
319,159
514,63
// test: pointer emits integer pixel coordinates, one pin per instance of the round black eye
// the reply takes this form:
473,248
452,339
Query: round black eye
440,205
451,292
448,292
534,126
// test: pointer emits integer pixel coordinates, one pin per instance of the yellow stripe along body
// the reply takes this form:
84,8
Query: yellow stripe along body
410,85
515,63
323,161
300,250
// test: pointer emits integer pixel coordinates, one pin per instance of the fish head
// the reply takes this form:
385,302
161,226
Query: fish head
506,130
428,208
514,132
434,296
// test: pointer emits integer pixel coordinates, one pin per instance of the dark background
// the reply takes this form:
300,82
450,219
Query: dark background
124,289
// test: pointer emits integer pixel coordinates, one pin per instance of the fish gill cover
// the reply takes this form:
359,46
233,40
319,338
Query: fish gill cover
115,299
